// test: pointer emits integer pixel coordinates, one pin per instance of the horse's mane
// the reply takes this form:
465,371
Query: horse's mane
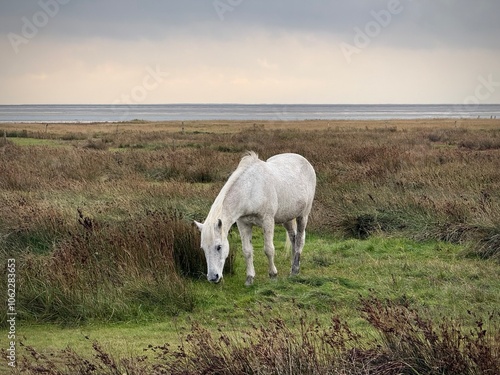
248,159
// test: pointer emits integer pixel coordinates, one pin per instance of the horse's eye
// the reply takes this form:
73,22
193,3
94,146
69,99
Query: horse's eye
218,247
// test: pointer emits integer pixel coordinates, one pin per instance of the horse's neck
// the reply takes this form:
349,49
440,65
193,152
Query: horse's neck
227,205
222,211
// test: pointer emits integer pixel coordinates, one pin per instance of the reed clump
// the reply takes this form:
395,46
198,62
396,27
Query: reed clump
129,270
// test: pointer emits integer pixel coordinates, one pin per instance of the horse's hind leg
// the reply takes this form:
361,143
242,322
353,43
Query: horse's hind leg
300,239
291,229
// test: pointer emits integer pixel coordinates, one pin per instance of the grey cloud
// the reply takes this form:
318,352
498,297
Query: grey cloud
422,23
453,23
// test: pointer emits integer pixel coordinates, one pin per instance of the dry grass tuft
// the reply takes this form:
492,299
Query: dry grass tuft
113,271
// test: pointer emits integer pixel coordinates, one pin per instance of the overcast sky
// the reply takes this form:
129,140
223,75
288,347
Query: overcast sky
249,51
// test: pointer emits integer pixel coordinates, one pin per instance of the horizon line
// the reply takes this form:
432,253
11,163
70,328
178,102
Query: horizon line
247,104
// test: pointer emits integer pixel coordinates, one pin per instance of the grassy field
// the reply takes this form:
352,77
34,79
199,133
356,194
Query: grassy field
406,223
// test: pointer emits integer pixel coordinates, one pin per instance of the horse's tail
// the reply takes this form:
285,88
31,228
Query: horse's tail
288,243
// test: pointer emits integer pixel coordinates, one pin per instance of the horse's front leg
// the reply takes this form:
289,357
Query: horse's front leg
245,230
268,228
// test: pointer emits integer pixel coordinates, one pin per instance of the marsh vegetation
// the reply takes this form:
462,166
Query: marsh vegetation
404,237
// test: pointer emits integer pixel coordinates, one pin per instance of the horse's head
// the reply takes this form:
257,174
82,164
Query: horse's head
216,247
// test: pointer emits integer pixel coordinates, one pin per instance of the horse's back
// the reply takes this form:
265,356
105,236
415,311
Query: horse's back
294,182
292,170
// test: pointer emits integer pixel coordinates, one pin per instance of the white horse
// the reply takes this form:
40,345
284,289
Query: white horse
279,190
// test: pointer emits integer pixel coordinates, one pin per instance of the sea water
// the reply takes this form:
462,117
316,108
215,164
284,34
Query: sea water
88,113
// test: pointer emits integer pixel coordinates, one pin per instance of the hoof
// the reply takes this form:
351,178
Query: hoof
295,265
249,281
273,276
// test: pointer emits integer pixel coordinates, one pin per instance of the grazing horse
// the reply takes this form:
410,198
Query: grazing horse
279,190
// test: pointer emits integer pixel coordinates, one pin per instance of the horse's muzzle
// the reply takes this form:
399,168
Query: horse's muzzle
214,278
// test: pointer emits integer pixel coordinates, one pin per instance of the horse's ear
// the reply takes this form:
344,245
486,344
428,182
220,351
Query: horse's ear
199,225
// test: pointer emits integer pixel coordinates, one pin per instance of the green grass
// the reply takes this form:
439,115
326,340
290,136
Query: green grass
37,142
121,339
335,273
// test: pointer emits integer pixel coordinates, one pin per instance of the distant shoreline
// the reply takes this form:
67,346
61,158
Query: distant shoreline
239,112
